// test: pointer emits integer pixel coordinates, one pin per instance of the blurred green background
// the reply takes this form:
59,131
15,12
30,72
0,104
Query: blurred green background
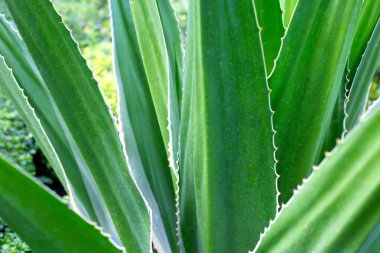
90,25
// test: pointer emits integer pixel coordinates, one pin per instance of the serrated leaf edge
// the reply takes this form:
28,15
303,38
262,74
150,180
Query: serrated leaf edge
71,203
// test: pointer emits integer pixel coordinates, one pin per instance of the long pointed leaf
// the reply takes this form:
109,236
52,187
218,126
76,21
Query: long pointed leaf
46,125
142,136
338,206
306,83
42,220
72,170
84,116
227,177
367,20
368,17
358,95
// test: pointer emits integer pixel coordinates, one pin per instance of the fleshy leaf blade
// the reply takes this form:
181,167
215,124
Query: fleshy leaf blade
357,98
143,140
340,197
85,117
42,220
302,98
226,160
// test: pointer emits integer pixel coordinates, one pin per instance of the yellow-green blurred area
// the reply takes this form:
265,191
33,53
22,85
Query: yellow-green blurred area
375,87
90,24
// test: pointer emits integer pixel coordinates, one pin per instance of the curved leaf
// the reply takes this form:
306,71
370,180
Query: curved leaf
84,116
42,220
357,98
369,15
338,206
306,83
44,124
141,131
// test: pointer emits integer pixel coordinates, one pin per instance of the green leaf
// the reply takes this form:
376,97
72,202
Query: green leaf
338,206
288,7
42,220
367,20
158,35
144,143
357,98
269,15
227,177
369,15
85,118
303,98
335,125
372,243
40,116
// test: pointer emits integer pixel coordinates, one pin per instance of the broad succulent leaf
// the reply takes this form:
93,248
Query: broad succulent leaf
40,218
303,99
272,30
145,145
36,108
337,207
364,28
369,16
227,174
84,116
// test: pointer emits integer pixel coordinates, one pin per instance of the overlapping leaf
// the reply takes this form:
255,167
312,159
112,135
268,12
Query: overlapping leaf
145,145
47,128
269,15
227,179
84,117
317,41
357,98
338,206
40,218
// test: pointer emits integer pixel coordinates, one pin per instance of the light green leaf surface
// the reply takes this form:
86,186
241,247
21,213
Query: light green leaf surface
227,177
42,220
44,124
157,37
358,96
269,15
144,143
338,206
303,99
85,118
288,7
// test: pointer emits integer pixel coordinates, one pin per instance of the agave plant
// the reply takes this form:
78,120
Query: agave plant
225,144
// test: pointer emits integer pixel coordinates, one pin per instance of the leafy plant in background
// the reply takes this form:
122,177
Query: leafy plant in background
10,242
240,128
